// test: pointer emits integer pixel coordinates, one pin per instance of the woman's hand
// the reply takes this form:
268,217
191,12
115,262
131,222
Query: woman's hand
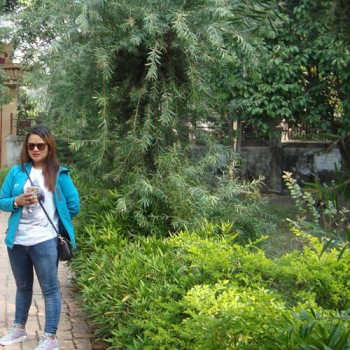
26,199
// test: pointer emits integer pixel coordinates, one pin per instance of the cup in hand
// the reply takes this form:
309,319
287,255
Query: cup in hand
34,191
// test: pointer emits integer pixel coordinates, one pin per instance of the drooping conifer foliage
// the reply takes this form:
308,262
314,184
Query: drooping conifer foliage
128,79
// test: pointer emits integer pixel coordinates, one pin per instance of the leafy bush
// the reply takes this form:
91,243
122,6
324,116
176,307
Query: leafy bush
125,278
3,173
202,290
326,330
310,272
183,193
330,223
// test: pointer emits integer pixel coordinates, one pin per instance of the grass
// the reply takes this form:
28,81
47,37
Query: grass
283,240
334,223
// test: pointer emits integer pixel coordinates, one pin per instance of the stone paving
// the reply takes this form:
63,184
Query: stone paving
74,331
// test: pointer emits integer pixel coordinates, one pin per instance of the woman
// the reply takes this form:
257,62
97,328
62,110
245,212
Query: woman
31,240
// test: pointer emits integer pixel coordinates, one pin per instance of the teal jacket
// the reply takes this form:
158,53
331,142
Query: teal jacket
66,198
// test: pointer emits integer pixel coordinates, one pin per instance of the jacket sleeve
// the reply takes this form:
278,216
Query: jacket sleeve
8,192
70,193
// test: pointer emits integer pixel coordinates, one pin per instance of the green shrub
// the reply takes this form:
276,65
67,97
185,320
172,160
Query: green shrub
225,316
318,331
182,194
202,290
315,273
125,278
3,173
328,219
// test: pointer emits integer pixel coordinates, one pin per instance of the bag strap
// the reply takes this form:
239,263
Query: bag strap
43,208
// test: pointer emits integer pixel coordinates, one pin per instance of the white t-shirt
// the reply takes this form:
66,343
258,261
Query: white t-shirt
34,227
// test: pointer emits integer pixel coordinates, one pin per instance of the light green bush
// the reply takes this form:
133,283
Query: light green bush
202,290
3,173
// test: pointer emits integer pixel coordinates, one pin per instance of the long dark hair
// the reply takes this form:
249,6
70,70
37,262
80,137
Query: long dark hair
51,165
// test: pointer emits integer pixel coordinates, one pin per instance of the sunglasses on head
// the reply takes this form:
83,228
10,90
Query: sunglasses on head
39,146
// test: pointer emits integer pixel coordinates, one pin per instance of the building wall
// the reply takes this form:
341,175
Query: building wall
7,117
13,147
8,112
308,162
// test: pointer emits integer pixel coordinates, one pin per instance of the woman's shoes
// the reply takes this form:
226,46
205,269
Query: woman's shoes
47,343
16,334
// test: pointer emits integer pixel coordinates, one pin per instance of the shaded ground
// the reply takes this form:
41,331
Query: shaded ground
281,207
333,223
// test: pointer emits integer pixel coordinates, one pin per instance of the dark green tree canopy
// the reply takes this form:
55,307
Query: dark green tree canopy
138,77
126,80
304,77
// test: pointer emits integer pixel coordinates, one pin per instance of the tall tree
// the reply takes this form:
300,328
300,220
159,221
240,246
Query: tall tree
129,79
305,76
8,5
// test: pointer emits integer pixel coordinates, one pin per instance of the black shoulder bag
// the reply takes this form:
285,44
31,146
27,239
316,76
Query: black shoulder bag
64,249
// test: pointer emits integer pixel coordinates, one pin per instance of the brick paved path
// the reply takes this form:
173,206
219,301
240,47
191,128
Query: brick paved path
73,332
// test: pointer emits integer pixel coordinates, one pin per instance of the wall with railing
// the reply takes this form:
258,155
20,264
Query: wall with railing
20,127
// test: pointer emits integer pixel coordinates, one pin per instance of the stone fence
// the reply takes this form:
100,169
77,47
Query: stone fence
308,161
13,149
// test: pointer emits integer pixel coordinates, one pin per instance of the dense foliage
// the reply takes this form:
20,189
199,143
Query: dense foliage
143,91
129,84
133,76
202,290
138,77
182,195
304,77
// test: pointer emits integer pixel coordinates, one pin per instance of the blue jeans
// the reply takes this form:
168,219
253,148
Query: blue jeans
43,257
